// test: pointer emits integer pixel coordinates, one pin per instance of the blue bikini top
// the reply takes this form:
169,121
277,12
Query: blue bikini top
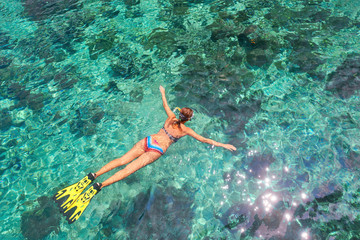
172,138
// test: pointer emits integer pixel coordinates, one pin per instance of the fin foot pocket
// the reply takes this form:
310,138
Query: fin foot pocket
78,207
67,196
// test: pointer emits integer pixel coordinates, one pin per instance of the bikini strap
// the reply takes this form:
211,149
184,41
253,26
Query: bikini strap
172,138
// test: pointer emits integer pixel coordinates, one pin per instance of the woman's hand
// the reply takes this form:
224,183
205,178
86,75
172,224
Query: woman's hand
229,147
162,90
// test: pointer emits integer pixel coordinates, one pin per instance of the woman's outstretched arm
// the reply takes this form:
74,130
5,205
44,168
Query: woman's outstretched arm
200,138
165,104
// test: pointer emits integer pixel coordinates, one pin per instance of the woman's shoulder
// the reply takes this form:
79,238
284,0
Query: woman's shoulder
171,119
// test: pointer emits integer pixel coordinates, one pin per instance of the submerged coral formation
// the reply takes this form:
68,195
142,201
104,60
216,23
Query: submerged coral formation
38,223
345,80
159,213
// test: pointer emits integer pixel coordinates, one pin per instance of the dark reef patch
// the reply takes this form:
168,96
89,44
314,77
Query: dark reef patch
164,40
99,46
5,62
112,87
5,120
159,213
338,23
34,101
65,80
86,119
38,223
55,42
254,220
304,57
345,81
38,10
137,94
259,52
259,163
216,86
5,41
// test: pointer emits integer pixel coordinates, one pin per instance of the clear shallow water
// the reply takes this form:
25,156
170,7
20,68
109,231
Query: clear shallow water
79,86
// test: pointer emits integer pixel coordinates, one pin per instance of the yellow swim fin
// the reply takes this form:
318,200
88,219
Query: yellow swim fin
78,207
67,196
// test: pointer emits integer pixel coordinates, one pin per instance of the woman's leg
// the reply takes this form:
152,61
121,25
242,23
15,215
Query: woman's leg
132,167
134,152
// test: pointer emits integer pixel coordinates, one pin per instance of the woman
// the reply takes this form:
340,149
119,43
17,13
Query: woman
144,152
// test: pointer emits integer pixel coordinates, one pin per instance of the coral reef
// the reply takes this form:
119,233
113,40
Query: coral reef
86,119
255,220
164,41
101,44
38,10
137,94
34,101
160,213
5,120
345,81
303,56
5,62
38,223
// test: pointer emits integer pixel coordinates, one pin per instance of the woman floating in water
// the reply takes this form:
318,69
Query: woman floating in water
144,152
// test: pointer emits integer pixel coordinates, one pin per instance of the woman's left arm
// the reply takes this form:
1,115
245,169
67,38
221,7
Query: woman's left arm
200,138
165,104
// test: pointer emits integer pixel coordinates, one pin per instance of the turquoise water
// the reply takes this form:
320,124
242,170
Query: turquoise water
279,80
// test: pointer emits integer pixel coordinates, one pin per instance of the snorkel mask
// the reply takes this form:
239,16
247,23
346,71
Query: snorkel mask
182,116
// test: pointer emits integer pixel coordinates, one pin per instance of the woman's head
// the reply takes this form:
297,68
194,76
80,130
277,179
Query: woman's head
186,114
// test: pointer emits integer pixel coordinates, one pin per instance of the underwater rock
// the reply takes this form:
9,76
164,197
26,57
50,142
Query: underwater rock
111,87
98,47
61,34
14,164
338,23
38,10
279,16
131,3
124,68
179,7
34,101
86,119
222,28
5,41
137,94
101,44
345,81
198,85
219,6
38,223
5,120
259,163
164,40
96,118
266,216
303,57
5,62
160,213
237,217
320,16
257,58
82,127
259,52
18,91
64,82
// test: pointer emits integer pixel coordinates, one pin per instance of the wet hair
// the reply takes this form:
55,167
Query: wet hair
184,115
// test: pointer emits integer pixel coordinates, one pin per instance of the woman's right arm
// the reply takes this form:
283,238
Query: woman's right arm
200,138
165,104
